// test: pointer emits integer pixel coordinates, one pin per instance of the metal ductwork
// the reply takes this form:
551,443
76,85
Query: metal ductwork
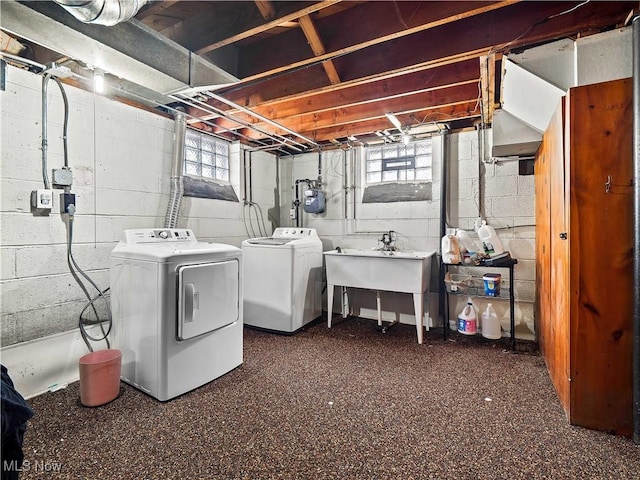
102,12
129,50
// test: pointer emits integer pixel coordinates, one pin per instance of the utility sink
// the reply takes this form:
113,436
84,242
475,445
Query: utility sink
379,270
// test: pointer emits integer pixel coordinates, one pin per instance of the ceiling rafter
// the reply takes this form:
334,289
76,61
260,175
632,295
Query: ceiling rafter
315,42
267,26
424,61
376,41
154,8
399,105
305,100
267,10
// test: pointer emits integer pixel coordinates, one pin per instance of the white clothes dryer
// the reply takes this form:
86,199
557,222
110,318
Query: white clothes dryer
177,310
282,279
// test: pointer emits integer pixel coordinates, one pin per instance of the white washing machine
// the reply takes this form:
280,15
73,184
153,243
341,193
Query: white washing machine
282,279
177,310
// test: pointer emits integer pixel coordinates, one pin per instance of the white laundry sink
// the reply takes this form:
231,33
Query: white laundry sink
400,271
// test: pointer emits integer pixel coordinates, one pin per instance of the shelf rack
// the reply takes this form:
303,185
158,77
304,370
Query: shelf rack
478,292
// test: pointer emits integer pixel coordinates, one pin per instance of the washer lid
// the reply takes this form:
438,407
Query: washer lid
269,241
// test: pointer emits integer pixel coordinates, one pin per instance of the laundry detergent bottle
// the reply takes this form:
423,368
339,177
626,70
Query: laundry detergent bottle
467,319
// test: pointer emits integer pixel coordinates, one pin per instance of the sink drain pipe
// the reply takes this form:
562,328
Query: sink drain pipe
636,229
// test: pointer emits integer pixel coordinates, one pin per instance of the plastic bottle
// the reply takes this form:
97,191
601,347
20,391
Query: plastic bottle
467,247
450,249
490,241
490,323
467,319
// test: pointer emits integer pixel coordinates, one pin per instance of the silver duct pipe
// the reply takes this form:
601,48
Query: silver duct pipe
102,12
636,230
177,185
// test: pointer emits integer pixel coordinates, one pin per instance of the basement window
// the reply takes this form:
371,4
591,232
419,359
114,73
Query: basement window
206,156
398,172
206,167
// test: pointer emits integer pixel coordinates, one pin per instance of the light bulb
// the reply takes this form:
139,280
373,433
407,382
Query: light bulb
98,81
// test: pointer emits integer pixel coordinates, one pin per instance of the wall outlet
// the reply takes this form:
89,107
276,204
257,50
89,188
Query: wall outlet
42,199
477,223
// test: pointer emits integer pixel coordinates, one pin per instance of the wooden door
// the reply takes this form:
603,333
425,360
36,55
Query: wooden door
601,264
558,357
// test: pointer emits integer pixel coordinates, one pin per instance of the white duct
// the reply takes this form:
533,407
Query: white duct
102,12
177,184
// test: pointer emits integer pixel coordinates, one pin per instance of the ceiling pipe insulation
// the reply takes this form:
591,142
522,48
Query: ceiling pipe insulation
102,12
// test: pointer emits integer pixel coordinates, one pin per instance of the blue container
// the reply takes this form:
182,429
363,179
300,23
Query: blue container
492,284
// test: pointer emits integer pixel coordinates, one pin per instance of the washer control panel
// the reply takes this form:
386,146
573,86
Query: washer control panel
158,235
297,232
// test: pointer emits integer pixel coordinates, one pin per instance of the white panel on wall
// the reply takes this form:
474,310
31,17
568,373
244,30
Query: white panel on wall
606,56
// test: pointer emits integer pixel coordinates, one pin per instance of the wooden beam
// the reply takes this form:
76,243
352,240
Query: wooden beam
362,92
267,26
400,105
488,85
376,41
447,113
267,10
315,42
154,9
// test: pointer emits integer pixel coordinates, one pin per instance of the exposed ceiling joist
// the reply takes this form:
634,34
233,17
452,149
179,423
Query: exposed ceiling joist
316,72
315,42
266,27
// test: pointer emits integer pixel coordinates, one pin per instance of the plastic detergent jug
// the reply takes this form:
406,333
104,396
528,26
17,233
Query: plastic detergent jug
490,323
464,241
490,241
467,319
467,247
450,249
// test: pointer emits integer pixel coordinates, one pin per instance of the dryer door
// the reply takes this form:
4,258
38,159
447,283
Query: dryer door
207,297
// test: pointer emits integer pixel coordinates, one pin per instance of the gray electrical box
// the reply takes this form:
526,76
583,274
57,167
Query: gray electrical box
62,177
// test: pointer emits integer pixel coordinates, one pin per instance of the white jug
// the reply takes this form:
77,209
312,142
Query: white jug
490,241
490,324
450,249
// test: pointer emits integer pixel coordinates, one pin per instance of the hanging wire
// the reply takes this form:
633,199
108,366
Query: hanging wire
82,321
74,268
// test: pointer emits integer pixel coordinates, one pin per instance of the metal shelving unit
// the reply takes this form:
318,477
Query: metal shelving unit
474,291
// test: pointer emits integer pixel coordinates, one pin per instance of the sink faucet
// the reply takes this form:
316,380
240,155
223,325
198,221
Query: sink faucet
388,241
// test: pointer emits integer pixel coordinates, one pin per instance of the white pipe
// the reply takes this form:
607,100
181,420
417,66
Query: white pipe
102,12
260,117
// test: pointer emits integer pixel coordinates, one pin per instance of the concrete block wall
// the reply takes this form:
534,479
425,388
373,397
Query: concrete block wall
120,157
480,187
493,191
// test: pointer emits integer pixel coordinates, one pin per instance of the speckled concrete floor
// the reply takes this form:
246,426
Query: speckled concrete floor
345,403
